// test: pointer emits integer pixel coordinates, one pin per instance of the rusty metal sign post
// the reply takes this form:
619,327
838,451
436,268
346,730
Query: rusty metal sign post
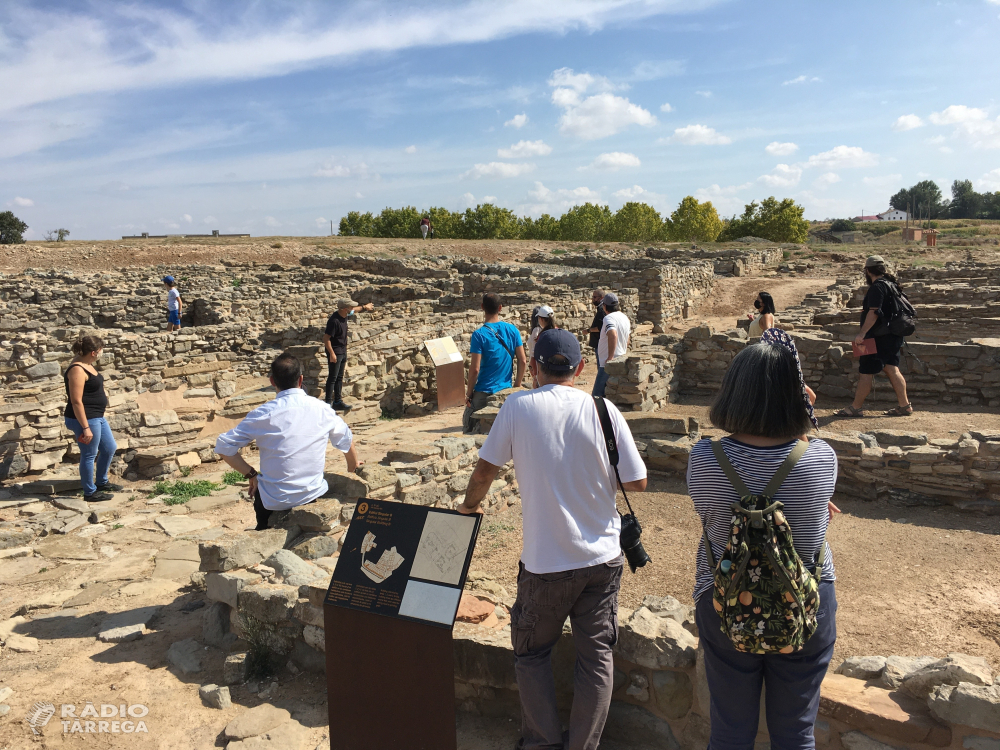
449,370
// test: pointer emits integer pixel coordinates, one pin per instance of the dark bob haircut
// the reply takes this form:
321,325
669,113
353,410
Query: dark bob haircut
766,303
761,395
286,371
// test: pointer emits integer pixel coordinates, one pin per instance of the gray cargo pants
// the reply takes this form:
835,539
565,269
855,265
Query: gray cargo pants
589,597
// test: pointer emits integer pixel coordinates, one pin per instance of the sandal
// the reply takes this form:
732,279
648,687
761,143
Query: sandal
851,412
900,411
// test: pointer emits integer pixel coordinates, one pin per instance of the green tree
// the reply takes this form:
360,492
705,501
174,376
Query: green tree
777,221
447,225
489,222
636,222
923,199
965,201
12,229
586,223
990,208
398,222
545,227
694,221
843,225
357,224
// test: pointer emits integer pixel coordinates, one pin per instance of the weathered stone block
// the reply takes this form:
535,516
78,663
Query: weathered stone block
269,602
952,670
225,587
345,486
968,705
160,418
241,550
672,693
656,641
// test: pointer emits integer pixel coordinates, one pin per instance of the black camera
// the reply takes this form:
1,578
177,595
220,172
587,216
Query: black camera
631,541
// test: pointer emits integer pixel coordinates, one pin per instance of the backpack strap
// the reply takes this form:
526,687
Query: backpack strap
801,446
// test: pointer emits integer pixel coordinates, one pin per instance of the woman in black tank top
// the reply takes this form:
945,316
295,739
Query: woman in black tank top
85,417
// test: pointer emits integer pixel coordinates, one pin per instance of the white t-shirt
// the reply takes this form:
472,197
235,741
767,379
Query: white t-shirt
566,481
172,299
531,341
619,322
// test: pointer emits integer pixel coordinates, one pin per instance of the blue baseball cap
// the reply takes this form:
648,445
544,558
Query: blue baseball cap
168,279
558,350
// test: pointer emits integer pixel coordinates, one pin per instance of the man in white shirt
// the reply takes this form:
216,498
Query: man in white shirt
613,341
291,432
571,562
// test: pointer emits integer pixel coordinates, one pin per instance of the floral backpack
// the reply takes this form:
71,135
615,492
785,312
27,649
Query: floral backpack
765,595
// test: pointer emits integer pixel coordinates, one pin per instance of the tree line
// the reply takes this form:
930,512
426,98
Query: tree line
692,221
925,201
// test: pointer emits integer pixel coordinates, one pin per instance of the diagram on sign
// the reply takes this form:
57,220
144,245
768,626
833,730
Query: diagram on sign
443,547
388,562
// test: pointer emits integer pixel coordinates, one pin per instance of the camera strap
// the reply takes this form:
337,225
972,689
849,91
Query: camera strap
610,443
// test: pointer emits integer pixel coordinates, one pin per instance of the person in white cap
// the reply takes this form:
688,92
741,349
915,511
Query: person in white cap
613,341
545,318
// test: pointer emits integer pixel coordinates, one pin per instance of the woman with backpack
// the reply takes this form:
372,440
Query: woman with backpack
884,315
764,591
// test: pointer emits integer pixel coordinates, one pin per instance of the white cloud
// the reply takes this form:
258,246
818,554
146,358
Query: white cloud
271,221
410,149
489,199
524,149
725,199
706,94
630,194
665,107
497,169
321,222
907,122
469,199
826,179
990,180
596,116
776,148
843,157
614,161
331,168
59,53
186,217
800,79
936,140
19,201
210,220
698,135
543,200
358,195
517,121
782,175
883,181
652,70
971,124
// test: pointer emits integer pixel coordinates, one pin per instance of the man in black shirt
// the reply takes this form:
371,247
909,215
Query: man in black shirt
880,304
596,297
335,341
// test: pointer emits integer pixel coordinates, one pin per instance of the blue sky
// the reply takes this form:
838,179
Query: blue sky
276,117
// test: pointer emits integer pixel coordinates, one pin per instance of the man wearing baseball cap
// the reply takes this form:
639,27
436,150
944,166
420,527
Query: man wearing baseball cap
613,341
881,302
174,304
571,562
335,342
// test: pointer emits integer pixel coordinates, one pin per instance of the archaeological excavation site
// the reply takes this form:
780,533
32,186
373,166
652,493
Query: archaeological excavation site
164,599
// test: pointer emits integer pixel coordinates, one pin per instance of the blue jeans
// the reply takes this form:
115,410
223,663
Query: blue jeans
599,382
792,681
174,317
100,449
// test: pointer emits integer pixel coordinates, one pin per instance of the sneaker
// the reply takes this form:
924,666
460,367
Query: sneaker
110,487
98,497
341,406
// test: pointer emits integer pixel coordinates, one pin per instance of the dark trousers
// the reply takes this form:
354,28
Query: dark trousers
262,513
791,681
589,597
335,380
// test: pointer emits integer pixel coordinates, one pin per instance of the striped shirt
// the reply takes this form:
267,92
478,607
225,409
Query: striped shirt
804,493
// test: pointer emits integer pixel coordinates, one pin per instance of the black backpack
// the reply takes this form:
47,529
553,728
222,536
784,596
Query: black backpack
898,317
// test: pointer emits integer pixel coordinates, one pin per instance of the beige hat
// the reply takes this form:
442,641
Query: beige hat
345,303
874,260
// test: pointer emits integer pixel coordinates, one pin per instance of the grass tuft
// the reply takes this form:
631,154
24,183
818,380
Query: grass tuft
180,492
232,477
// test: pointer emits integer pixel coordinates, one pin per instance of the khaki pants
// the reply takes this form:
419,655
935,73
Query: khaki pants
589,597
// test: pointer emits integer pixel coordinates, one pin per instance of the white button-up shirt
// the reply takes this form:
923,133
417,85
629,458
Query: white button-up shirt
291,433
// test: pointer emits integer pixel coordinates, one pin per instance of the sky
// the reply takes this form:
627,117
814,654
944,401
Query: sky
276,118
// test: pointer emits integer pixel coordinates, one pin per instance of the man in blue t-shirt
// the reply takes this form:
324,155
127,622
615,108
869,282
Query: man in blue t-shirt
495,347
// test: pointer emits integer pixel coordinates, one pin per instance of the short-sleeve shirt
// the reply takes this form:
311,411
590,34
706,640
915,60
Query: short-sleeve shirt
336,329
496,366
597,322
804,493
564,475
618,322
173,299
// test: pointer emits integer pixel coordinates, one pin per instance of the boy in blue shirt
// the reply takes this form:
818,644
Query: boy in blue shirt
494,349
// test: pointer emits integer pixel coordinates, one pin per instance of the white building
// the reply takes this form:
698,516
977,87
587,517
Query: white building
893,215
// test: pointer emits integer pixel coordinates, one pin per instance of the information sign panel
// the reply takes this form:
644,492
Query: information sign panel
406,561
443,351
